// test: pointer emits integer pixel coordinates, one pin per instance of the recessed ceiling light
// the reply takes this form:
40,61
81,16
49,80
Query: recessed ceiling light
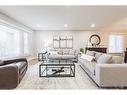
65,25
38,25
92,25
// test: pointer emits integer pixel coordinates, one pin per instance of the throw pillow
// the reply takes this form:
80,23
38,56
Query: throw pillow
97,55
60,51
53,52
66,51
87,57
105,58
71,52
91,53
117,59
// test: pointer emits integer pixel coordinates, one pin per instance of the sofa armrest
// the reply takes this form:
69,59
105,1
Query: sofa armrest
9,76
76,53
14,61
111,75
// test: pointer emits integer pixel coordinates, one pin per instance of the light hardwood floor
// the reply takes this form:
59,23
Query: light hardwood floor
33,81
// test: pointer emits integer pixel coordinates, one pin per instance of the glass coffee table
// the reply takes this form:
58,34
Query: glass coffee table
57,69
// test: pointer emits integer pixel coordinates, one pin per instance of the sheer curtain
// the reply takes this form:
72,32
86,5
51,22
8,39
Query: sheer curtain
13,42
26,43
116,44
9,42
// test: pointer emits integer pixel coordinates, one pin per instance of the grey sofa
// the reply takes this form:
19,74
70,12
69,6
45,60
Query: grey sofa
63,54
105,70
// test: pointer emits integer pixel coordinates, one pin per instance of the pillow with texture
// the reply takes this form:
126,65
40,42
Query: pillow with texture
91,53
87,57
118,59
105,58
53,52
66,51
97,55
60,52
72,52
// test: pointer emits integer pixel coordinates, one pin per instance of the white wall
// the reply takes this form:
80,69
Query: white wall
80,38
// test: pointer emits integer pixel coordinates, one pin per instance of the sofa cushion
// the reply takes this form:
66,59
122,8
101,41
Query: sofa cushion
117,59
91,53
87,57
97,55
105,58
1,63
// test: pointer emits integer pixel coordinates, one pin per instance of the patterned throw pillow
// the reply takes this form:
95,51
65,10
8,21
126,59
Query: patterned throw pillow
60,51
65,51
71,52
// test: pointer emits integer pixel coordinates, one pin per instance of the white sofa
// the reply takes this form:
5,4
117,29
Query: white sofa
63,54
105,72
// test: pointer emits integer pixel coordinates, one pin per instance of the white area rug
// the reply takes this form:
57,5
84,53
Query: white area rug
32,80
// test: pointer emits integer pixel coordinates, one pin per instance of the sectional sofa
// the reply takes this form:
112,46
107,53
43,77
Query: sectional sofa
104,69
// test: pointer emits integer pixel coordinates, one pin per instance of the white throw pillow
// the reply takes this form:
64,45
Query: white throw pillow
97,55
66,51
71,52
91,53
87,57
105,58
118,59
53,52
60,51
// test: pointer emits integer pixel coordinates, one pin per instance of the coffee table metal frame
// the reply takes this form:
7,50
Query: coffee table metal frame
47,66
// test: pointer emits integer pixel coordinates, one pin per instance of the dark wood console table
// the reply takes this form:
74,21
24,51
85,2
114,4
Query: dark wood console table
125,57
97,49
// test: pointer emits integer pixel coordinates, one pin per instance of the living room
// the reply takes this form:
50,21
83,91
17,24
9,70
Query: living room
27,31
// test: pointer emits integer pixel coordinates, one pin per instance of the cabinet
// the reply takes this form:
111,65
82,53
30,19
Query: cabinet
125,56
97,49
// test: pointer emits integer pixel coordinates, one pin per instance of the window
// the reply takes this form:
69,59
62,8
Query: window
14,42
115,44
9,42
26,43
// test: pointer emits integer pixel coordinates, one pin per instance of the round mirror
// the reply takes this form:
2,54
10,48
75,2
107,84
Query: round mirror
95,39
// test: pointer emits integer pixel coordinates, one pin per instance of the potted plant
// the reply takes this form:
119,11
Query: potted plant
82,50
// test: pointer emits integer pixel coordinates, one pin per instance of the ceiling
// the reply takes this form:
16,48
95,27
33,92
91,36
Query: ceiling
75,17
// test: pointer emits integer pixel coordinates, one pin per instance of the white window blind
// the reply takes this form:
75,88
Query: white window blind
26,43
14,42
9,42
115,44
